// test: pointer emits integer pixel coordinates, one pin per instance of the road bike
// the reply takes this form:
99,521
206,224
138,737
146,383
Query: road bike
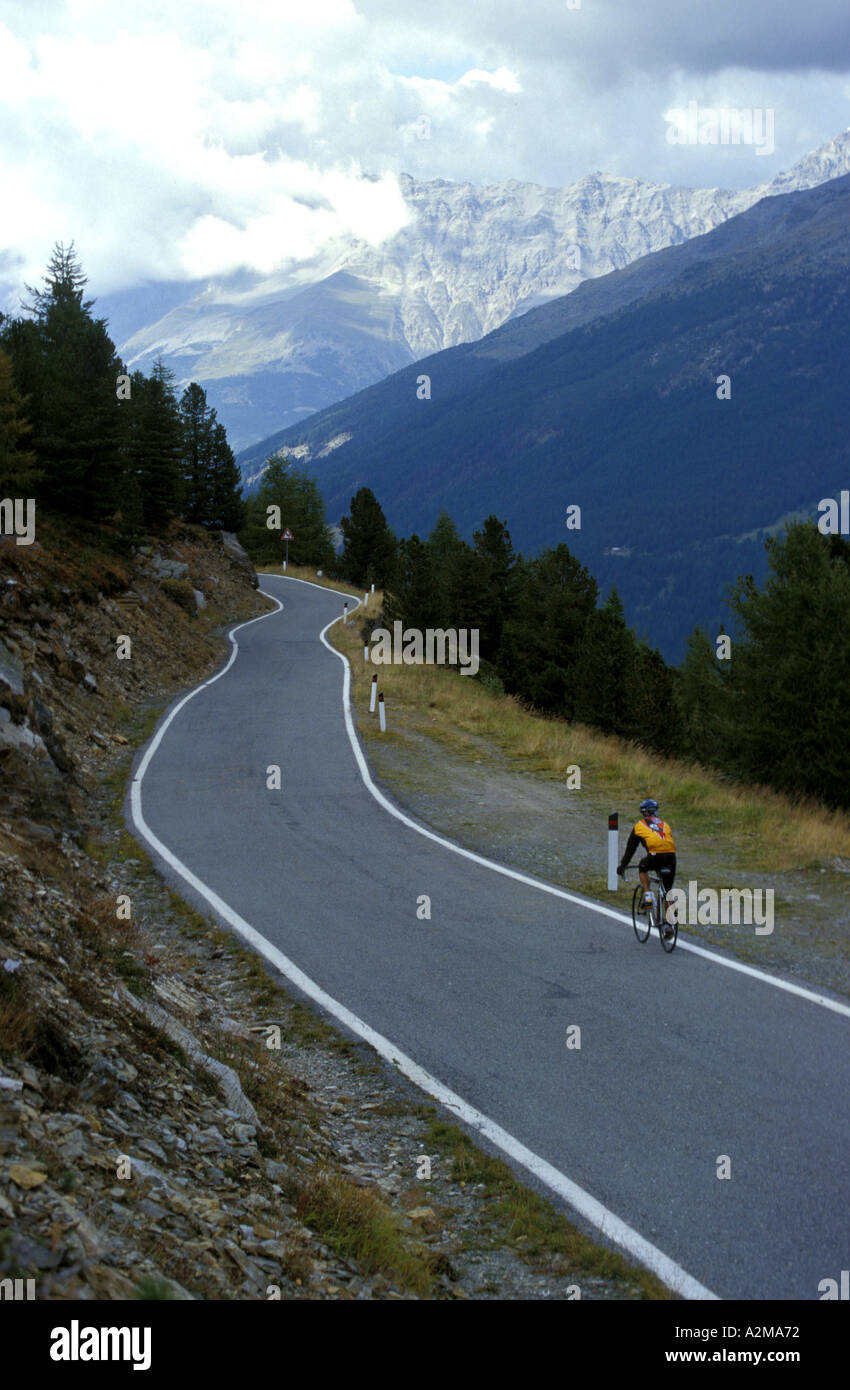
655,914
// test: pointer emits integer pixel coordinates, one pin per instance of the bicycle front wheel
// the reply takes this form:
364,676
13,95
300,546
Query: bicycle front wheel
640,921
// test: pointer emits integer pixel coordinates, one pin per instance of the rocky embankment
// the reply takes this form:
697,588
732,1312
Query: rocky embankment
173,1124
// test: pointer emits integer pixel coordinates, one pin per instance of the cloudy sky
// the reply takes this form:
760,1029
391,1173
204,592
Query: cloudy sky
174,140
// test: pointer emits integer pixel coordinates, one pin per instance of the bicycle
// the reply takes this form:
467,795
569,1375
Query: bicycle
655,915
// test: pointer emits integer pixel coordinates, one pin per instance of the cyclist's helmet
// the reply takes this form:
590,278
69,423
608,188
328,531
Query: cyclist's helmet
649,807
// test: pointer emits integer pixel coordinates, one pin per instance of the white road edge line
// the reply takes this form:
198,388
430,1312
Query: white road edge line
587,903
593,1211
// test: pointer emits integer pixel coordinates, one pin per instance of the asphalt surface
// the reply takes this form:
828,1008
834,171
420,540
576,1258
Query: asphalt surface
681,1060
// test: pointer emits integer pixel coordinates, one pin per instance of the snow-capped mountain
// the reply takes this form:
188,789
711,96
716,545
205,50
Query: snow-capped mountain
270,351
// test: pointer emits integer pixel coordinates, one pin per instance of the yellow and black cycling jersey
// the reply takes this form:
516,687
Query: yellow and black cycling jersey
655,835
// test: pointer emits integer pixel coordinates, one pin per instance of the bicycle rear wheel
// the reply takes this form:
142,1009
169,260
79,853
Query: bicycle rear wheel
640,921
668,943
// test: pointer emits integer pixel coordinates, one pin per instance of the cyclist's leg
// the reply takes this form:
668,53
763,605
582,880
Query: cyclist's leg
667,875
668,923
643,869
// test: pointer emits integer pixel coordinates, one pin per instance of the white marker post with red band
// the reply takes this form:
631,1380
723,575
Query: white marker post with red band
613,850
382,714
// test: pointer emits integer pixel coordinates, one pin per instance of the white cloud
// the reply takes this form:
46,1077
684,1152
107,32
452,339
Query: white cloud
16,67
503,80
172,139
292,230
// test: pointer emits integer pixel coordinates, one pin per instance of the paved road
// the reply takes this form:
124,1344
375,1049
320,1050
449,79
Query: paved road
681,1060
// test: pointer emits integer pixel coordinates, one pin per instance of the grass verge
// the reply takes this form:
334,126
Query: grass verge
358,1225
531,1225
313,577
769,832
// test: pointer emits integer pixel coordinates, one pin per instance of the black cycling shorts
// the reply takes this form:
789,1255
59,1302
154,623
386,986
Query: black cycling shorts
663,864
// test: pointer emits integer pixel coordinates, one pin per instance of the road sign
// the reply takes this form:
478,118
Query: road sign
286,536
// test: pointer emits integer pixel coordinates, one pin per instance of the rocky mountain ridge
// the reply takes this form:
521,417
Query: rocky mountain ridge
272,350
584,399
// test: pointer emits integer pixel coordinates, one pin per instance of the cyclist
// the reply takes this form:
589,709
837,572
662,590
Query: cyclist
657,839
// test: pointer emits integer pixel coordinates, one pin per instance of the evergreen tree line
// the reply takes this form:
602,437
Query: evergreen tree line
542,634
83,443
775,711
778,710
288,499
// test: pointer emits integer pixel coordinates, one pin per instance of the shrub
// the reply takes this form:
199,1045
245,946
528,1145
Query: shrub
180,591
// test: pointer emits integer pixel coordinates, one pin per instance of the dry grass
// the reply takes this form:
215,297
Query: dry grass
531,1225
774,833
311,576
359,1226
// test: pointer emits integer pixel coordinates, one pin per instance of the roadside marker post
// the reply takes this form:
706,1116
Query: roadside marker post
613,850
374,693
382,715
344,613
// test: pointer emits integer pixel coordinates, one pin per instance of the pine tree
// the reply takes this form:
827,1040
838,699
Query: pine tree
369,550
493,546
72,363
655,710
444,545
19,472
198,421
703,701
157,446
299,502
227,509
603,678
313,544
130,514
212,493
790,669
444,540
467,600
20,339
555,601
412,596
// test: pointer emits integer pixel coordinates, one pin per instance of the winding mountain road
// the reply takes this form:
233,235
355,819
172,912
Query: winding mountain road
682,1059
